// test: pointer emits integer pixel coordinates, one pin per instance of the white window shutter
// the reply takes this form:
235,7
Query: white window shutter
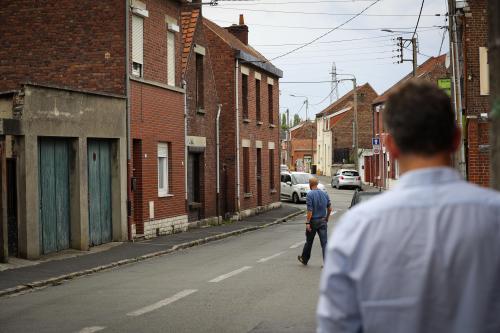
137,39
171,58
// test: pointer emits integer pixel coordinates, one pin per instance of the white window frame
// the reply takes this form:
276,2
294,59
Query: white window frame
163,189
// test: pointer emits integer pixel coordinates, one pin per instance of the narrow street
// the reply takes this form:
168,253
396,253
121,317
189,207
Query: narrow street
249,283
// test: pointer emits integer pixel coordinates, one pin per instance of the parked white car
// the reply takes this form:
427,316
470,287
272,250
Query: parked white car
346,178
295,185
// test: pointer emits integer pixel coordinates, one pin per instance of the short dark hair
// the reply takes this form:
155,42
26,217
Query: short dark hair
420,118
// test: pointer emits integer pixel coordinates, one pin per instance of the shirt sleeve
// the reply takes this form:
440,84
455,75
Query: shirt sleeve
338,309
309,202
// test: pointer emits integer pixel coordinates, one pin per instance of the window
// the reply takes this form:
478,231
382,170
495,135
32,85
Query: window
246,169
200,89
170,58
257,100
271,169
137,45
271,103
244,92
163,169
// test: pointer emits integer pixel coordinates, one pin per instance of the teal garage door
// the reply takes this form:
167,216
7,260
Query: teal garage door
54,195
99,161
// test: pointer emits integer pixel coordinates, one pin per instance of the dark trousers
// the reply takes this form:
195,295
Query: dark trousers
320,227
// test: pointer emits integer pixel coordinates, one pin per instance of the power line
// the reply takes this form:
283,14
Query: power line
429,28
323,13
418,20
328,32
338,55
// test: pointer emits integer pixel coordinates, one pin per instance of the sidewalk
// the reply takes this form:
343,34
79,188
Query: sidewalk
54,270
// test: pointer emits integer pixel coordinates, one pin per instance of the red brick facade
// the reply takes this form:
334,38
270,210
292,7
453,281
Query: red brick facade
65,44
301,143
475,35
201,122
383,167
264,134
157,117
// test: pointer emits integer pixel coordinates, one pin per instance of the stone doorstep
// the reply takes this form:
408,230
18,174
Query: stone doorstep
20,289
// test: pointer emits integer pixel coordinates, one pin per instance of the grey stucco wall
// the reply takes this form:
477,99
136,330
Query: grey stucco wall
78,116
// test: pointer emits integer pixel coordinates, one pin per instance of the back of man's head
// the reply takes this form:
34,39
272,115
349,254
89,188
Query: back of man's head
313,182
420,119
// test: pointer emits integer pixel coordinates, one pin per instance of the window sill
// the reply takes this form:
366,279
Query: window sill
272,126
165,195
273,191
260,123
200,111
246,120
247,195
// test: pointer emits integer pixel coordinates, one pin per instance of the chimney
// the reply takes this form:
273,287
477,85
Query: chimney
240,31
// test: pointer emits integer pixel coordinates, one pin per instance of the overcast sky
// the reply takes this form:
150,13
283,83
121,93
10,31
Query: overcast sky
359,47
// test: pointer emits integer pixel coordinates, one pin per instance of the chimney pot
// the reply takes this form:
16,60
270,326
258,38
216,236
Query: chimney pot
242,19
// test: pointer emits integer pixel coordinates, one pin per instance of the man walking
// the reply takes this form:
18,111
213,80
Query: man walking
318,212
424,256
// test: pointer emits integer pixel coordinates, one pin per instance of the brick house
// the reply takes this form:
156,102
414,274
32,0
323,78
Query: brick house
335,129
302,146
63,148
381,169
202,108
472,22
157,166
248,90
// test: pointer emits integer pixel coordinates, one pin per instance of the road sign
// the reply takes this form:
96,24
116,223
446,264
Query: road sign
376,145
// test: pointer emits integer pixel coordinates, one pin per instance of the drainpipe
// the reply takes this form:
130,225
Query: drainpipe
237,71
217,129
127,92
184,85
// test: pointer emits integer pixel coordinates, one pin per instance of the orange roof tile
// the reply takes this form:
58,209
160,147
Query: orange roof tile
189,19
428,66
232,40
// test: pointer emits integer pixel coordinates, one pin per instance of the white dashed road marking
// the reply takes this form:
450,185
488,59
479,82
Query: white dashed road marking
270,257
91,329
296,245
162,303
230,274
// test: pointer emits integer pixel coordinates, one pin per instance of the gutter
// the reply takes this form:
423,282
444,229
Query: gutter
217,130
237,72
184,85
127,93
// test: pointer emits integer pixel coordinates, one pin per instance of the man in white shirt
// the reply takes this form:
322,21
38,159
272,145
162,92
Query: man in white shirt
424,256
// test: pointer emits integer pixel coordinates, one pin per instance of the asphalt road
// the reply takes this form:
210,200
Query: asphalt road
249,283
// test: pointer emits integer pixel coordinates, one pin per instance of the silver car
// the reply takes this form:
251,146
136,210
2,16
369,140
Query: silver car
346,178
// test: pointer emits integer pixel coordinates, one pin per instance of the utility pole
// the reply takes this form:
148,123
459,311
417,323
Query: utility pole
494,63
335,84
457,85
414,59
401,46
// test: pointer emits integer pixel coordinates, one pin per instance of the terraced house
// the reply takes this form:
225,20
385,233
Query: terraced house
248,91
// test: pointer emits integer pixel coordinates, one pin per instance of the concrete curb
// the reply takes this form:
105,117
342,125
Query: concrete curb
66,277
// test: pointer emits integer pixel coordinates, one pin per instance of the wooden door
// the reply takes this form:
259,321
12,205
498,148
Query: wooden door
99,168
259,177
54,215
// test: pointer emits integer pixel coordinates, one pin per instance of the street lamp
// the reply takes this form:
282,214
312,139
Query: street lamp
312,138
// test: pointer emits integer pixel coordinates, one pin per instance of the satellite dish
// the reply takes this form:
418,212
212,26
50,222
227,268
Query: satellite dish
447,61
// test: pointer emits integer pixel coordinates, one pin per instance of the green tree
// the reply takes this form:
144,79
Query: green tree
296,119
284,125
